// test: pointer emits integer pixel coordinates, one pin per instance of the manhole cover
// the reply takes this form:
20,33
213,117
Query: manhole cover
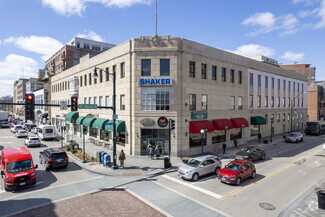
267,206
299,162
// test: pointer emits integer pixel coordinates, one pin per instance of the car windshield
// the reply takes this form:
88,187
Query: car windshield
293,134
234,167
193,163
19,166
33,139
246,150
58,155
48,130
22,131
18,127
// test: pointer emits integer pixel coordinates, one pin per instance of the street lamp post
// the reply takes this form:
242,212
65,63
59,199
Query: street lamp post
292,101
203,132
114,113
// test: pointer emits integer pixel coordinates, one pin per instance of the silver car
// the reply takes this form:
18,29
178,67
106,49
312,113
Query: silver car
200,166
32,141
294,137
21,133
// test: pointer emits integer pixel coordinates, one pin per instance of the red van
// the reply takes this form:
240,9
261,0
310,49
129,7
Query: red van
17,168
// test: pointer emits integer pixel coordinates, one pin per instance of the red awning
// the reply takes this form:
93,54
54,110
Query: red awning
197,126
239,122
222,124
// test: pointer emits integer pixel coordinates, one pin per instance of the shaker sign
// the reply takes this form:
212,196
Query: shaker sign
155,81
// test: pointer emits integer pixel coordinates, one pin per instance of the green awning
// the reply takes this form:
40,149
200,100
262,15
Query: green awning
99,123
258,120
88,122
71,117
80,119
120,126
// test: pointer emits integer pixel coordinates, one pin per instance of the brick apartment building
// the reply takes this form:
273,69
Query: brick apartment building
304,69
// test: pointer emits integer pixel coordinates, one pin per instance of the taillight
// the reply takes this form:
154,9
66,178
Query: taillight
50,160
67,158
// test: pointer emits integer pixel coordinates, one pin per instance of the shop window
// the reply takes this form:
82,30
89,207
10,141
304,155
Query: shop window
93,132
104,135
197,140
254,130
121,138
155,99
218,136
235,133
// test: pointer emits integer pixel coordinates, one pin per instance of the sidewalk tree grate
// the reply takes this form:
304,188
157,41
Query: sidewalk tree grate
267,206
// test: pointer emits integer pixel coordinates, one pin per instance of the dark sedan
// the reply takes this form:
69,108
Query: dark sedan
251,153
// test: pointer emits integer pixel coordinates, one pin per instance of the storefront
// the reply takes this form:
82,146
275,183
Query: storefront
239,124
89,123
157,137
220,129
99,126
256,121
196,137
120,131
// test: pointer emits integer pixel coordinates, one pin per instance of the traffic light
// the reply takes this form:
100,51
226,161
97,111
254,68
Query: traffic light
29,106
172,124
74,103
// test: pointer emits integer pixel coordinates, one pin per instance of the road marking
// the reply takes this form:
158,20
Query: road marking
202,190
266,177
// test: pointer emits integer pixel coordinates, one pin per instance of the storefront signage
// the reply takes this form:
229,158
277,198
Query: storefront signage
155,81
199,115
147,122
162,122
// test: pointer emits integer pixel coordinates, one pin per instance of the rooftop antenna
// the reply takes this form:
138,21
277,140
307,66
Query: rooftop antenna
156,16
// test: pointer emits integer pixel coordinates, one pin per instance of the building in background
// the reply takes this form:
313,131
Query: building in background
41,112
302,68
33,84
19,96
316,101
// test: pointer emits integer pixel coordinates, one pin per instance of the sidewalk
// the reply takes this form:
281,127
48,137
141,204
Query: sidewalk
143,165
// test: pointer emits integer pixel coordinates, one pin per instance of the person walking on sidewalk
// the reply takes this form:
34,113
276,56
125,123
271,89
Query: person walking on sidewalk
235,143
151,152
224,146
218,148
259,136
122,158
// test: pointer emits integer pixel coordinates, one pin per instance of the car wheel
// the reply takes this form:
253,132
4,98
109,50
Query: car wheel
65,166
302,139
263,157
250,159
195,177
47,167
217,171
238,181
253,174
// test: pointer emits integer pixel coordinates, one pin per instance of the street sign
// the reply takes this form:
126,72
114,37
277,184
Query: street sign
63,105
88,106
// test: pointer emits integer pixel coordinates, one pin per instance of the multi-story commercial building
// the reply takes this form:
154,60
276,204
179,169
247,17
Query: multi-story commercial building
302,68
213,95
316,101
33,84
19,95
70,54
41,112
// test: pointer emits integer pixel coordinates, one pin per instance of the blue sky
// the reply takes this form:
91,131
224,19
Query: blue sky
286,30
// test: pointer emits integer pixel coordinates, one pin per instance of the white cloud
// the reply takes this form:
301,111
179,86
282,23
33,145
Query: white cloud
265,19
77,7
14,67
251,50
321,14
289,24
289,55
308,13
91,35
306,2
42,45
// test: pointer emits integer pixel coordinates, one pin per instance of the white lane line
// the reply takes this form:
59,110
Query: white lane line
202,190
194,200
149,203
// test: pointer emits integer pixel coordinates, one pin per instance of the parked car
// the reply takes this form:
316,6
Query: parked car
32,141
4,124
53,157
29,127
294,137
236,171
21,133
15,128
251,153
34,130
200,166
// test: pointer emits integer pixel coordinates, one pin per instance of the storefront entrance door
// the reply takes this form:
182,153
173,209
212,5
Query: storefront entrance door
157,138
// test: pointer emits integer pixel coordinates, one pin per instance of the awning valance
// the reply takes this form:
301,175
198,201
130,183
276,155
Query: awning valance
239,122
222,124
99,123
197,126
120,126
257,120
80,120
88,122
71,117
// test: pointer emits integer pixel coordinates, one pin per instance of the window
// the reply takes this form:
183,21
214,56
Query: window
106,100
289,85
204,102
284,84
259,80
259,101
86,46
284,117
298,87
95,48
78,44
76,54
89,100
81,81
240,77
223,75
232,76
272,83
214,73
100,101
289,101
85,100
278,83
192,102
95,99
240,103
297,102
278,117
272,118
145,68
294,86
288,116
251,79
75,62
284,102
232,103
107,74
192,70
122,70
164,67
266,101
203,71
89,78
85,80
100,76
278,103
266,118
251,101
155,99
266,82
122,102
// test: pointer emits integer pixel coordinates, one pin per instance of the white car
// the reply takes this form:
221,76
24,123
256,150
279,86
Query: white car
4,124
21,133
294,137
34,130
32,141
15,128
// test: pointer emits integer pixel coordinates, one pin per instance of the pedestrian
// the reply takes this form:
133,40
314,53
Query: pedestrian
235,143
259,136
224,146
148,148
151,152
158,151
122,158
218,148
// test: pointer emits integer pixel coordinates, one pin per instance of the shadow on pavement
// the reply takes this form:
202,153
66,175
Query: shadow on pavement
248,181
71,167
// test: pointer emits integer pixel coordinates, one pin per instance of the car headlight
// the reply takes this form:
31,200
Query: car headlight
9,179
188,172
33,174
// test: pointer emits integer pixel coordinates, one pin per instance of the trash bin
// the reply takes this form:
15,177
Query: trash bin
166,163
321,199
98,156
102,156
107,160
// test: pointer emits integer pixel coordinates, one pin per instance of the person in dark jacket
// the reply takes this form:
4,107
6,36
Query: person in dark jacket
224,146
259,136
